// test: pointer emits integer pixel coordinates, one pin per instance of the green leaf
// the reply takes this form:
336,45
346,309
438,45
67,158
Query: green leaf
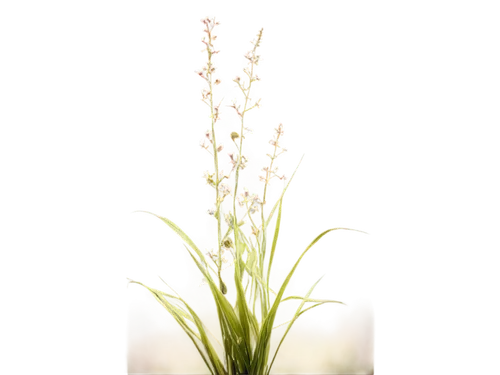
167,306
282,194
241,303
311,300
278,224
181,234
262,282
312,306
262,293
230,325
309,292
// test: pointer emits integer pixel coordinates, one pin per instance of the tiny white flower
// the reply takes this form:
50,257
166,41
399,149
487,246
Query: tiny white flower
245,162
210,211
204,95
207,133
205,20
246,192
231,159
240,202
204,146
262,175
211,67
257,104
200,73
274,143
246,70
254,232
233,101
227,217
237,79
204,176
225,189
218,82
279,129
254,198
250,130
211,251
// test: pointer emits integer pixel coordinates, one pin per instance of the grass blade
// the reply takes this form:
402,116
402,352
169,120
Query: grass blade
309,292
282,194
179,314
230,324
181,234
277,233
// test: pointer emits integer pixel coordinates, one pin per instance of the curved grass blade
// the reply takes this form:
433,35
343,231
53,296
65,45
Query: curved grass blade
229,322
277,233
309,292
284,191
178,314
312,306
262,346
193,317
181,234
241,302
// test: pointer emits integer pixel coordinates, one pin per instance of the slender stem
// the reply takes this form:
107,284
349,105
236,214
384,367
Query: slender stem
249,215
216,164
268,177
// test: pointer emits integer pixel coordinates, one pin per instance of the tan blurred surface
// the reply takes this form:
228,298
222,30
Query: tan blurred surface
346,346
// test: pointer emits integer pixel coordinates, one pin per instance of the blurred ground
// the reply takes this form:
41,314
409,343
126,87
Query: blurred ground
347,348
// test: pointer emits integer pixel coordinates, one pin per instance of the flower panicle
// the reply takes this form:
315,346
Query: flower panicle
251,201
207,71
245,80
268,174
276,142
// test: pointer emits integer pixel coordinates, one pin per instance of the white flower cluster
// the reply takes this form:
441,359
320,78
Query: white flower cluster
241,106
215,257
232,160
253,200
245,80
210,27
206,143
276,142
207,72
270,174
209,178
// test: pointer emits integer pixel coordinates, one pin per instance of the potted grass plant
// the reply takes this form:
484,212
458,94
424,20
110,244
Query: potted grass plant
246,241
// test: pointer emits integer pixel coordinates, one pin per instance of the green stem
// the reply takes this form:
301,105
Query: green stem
218,213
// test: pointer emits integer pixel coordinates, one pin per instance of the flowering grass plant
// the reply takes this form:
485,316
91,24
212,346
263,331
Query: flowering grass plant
245,241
